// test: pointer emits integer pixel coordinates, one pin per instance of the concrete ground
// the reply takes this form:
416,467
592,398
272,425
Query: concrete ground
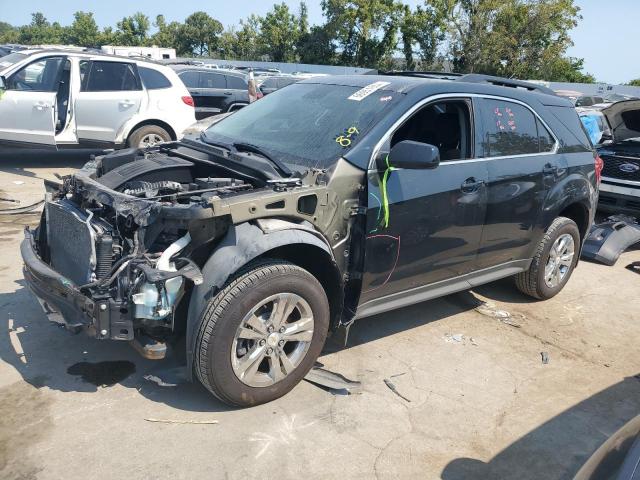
478,403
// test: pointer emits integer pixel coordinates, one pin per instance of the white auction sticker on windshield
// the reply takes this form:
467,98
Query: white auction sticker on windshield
368,90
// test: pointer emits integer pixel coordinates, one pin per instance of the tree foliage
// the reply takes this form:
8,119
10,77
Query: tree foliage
513,38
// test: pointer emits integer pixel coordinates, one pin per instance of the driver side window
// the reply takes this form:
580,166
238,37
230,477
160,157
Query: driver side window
445,124
39,76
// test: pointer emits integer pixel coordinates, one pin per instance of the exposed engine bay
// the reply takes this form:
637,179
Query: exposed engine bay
131,231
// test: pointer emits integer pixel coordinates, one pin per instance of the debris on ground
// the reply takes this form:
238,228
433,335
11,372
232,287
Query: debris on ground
393,388
634,267
334,382
545,357
18,182
455,338
191,422
21,210
489,309
159,381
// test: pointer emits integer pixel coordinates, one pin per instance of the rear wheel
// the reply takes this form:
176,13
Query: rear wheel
261,334
147,136
554,261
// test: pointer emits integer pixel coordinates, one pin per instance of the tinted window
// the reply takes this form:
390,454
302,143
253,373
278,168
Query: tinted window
547,141
190,79
568,121
236,83
270,83
212,80
509,129
39,76
283,82
109,77
153,79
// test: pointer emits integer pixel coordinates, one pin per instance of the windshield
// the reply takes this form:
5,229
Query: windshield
306,124
11,59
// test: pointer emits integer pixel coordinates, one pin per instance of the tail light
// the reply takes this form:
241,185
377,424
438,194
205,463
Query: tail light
599,164
188,100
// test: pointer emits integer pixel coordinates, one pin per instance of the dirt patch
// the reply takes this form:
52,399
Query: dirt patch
24,422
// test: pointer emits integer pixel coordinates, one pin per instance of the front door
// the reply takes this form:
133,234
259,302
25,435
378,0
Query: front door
28,105
424,226
522,168
110,95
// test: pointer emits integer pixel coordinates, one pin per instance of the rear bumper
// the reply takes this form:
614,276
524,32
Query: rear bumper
63,302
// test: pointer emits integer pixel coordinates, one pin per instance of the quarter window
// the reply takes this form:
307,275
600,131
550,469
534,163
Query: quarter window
153,79
190,79
547,141
109,77
509,129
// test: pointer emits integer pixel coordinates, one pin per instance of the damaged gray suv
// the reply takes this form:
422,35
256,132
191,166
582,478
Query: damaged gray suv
334,199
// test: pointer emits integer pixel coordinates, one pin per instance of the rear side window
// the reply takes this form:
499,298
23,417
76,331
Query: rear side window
236,83
547,142
578,139
153,79
109,77
190,79
270,83
212,80
509,129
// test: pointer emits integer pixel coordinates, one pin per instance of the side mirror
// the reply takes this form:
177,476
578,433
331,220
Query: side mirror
414,155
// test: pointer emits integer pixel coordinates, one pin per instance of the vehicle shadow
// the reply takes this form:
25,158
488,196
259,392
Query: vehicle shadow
559,447
18,162
47,355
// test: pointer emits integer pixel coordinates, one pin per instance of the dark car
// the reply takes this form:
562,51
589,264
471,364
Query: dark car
271,84
214,91
334,199
617,130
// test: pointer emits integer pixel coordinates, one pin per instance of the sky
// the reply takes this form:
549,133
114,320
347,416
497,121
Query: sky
605,37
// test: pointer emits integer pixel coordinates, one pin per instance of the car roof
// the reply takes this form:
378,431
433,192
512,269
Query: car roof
425,86
196,68
89,54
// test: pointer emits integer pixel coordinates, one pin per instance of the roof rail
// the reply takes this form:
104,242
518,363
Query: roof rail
504,82
423,74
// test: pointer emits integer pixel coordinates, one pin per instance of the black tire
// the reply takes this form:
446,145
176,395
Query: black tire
223,314
532,281
135,137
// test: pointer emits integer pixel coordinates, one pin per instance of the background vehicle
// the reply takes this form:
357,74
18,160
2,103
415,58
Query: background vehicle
618,144
214,91
64,98
271,84
588,100
335,199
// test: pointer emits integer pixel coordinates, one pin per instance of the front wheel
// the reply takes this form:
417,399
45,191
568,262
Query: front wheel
261,334
148,136
553,262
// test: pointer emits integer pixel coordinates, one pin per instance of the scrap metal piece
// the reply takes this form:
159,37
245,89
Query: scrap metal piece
148,347
634,267
332,381
393,388
607,240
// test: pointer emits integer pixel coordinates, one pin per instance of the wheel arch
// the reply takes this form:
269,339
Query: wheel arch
246,242
151,121
579,213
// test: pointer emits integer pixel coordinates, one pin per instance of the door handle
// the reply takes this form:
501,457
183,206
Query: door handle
228,93
471,185
550,169
42,106
127,103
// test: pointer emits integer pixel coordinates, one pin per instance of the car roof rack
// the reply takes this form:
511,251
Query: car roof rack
504,82
424,74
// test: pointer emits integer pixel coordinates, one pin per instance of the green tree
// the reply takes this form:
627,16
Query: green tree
279,33
200,34
40,31
8,33
365,31
168,35
635,82
133,30
83,31
316,47
423,31
245,46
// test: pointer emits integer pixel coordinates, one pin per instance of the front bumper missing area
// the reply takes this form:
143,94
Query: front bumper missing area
63,302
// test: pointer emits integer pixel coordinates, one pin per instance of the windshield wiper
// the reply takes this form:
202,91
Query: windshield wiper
204,139
249,147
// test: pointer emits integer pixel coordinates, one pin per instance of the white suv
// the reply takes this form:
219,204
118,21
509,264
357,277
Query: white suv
63,98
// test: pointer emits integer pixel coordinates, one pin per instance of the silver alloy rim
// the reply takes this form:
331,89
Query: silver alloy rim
272,340
150,140
560,260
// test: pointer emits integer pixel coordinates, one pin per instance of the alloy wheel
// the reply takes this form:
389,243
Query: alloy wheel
272,340
560,260
150,140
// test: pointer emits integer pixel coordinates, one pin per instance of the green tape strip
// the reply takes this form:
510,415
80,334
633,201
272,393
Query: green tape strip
385,197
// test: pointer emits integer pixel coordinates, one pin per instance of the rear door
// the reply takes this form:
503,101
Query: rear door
213,93
110,94
520,152
27,107
239,89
